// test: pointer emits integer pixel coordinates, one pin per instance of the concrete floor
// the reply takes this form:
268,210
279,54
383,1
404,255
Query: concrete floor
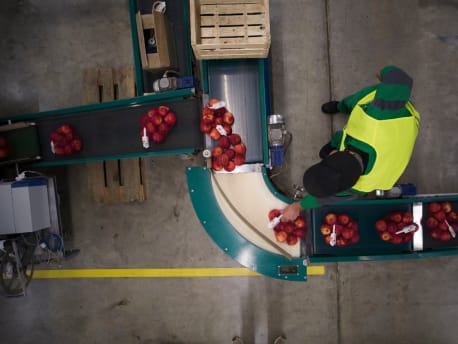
45,47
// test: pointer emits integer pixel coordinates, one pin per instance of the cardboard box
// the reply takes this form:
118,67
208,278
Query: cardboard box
156,41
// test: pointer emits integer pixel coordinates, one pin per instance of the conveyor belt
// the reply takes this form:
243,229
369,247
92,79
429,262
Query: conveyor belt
116,132
237,82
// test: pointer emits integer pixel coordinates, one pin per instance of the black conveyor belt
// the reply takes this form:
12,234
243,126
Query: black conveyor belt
116,132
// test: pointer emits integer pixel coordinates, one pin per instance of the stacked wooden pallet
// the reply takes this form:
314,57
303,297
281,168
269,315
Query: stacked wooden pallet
113,181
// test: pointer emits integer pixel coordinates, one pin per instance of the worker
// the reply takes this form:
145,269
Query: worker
373,149
278,340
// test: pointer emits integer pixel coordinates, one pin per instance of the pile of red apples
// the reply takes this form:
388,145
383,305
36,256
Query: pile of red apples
344,227
65,141
397,227
157,123
441,221
228,151
3,148
289,232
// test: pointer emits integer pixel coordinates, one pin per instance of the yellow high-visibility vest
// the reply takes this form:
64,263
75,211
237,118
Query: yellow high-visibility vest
393,141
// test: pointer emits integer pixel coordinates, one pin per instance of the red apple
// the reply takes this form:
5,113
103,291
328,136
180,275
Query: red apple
54,136
223,159
436,233
205,128
240,148
214,134
156,120
347,233
59,150
385,236
206,110
341,242
396,216
434,207
445,236
452,216
68,150
300,233
325,229
330,219
216,165
391,228
68,138
163,110
273,213
230,166
164,129
401,225
235,139
355,238
143,120
343,219
228,118
279,227
170,119
217,151
327,240
289,227
227,128
407,217
76,144
443,226
208,118
431,222
239,159
230,153
158,137
380,225
224,142
150,128
440,215
281,236
152,112
446,207
291,240
218,121
66,128
396,240
300,222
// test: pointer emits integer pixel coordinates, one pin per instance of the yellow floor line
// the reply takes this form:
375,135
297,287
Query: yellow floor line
142,273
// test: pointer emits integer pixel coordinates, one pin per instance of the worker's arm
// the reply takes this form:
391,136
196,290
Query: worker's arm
347,104
310,202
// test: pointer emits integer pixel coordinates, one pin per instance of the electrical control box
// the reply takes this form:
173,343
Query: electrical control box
24,206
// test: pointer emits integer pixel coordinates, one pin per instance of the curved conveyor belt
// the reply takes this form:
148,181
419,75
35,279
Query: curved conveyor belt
233,207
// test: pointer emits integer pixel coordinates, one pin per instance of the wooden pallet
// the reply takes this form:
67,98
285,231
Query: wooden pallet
230,28
113,181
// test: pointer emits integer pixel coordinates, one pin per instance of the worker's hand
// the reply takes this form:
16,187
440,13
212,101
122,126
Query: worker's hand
291,212
379,75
